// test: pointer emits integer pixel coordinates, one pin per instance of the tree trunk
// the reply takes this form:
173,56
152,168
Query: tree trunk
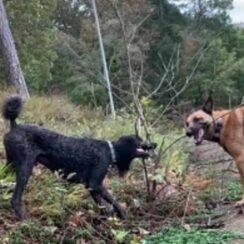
14,74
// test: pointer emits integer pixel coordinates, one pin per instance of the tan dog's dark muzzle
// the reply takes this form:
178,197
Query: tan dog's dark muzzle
189,132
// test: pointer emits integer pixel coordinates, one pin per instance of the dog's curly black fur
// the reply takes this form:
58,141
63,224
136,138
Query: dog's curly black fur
81,160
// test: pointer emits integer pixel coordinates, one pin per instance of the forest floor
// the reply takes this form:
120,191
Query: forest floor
223,166
196,206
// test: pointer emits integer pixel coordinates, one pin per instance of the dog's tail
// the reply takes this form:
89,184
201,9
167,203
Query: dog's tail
11,109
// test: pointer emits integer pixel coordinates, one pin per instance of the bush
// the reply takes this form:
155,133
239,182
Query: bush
87,93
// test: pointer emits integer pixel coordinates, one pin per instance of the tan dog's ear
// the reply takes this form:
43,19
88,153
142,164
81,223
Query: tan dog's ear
208,106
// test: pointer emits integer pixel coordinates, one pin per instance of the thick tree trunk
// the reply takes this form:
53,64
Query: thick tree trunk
12,67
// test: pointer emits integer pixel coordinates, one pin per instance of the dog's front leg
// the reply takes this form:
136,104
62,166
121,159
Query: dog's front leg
97,197
107,197
240,166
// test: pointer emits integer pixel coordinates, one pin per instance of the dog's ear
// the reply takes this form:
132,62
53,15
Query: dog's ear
208,106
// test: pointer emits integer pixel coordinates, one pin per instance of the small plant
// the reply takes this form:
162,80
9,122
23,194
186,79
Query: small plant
7,184
229,192
52,196
181,236
6,173
233,191
31,232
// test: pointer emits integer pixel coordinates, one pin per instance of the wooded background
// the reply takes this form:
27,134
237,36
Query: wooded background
176,53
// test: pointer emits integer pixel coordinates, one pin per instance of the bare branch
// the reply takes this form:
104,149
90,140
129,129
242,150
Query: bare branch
188,79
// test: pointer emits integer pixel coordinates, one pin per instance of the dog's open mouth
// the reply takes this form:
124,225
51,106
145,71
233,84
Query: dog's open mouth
143,150
140,150
141,153
198,136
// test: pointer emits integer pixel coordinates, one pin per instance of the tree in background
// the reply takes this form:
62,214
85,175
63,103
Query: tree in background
35,36
175,53
12,67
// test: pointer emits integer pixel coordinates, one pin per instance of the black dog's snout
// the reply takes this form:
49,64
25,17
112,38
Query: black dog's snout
148,146
189,132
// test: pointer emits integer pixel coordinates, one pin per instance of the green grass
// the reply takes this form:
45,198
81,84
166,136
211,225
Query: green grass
30,232
6,173
180,236
233,191
230,191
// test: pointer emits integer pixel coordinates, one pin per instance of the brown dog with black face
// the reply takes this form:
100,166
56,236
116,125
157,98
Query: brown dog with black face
225,127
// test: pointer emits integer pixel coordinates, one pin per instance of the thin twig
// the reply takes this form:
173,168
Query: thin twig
146,179
185,209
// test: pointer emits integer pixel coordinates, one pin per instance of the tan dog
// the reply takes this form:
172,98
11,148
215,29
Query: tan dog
225,127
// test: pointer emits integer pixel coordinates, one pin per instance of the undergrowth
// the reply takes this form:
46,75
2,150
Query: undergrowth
229,191
181,236
59,212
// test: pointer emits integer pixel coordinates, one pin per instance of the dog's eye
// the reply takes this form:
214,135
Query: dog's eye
204,123
197,119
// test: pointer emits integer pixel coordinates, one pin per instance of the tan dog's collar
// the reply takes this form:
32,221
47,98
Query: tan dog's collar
218,124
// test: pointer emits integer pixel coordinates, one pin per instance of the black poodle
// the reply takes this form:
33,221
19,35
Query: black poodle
80,160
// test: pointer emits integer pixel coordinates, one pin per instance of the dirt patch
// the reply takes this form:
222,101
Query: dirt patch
234,222
210,157
237,242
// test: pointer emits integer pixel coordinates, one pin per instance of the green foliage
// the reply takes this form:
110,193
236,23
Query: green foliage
180,236
229,192
52,197
68,17
6,173
120,235
215,71
211,14
86,93
34,35
59,52
168,22
80,77
233,191
31,231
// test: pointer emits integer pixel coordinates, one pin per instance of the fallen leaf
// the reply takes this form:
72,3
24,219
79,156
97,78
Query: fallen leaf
186,227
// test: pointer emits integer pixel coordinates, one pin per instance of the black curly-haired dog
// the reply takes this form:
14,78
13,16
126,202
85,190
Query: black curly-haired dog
81,160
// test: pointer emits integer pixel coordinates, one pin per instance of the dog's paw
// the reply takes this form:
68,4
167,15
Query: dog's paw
20,213
122,214
106,212
239,204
